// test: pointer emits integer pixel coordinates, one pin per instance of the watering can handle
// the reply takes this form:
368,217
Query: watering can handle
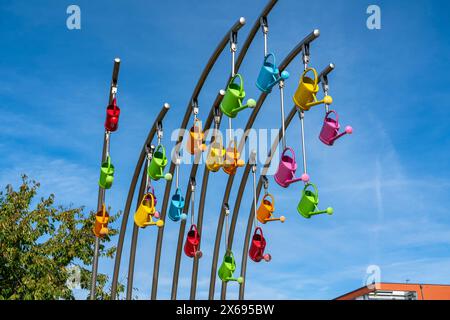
163,150
312,185
271,197
229,253
178,192
260,231
194,228
291,150
335,114
108,161
151,197
270,55
115,104
241,85
316,77
103,211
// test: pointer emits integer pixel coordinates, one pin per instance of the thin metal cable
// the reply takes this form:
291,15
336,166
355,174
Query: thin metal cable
283,126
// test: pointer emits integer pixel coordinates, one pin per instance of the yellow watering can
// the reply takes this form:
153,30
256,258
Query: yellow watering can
232,161
101,223
305,96
145,213
216,155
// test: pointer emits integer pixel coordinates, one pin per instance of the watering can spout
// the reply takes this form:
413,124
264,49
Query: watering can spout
348,130
326,100
251,103
284,76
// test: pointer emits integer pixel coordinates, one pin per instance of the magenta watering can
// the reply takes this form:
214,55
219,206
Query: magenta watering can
330,130
285,175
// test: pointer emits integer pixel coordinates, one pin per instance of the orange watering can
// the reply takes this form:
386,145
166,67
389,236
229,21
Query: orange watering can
145,213
195,142
305,96
101,223
232,161
266,210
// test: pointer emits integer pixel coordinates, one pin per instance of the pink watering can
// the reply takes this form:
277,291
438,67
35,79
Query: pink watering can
330,130
285,175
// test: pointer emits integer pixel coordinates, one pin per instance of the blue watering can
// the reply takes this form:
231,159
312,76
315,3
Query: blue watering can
269,75
176,207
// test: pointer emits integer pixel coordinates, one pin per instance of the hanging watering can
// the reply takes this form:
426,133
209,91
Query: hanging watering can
158,164
112,117
310,200
216,155
265,211
305,96
228,267
144,214
192,243
269,75
106,174
176,207
285,175
258,246
195,142
232,101
152,191
101,223
232,161
330,130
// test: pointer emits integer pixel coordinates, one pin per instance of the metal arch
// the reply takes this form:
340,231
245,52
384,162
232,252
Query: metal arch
131,192
244,258
194,169
265,12
299,48
211,62
101,191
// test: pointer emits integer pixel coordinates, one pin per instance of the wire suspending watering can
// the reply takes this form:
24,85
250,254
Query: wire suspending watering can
306,95
232,102
269,75
307,206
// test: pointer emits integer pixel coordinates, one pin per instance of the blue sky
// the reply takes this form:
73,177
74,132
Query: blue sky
388,183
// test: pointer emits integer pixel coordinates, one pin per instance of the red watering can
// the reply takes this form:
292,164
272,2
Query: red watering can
258,246
330,130
112,117
192,243
285,175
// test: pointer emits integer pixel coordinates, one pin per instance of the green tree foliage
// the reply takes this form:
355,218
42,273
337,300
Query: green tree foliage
40,246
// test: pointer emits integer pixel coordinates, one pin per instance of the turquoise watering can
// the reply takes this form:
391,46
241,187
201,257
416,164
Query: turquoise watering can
269,75
158,164
176,207
106,174
308,203
231,103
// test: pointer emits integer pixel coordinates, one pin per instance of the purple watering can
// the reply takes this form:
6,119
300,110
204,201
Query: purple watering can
330,130
285,175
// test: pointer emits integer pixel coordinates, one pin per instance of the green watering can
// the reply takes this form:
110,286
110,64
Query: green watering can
310,200
232,101
106,174
158,164
228,267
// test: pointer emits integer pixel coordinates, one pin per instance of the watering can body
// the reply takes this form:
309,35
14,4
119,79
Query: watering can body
145,212
258,246
269,75
232,161
191,247
195,142
305,96
215,158
106,174
101,223
330,129
232,102
112,117
228,267
176,206
158,163
285,175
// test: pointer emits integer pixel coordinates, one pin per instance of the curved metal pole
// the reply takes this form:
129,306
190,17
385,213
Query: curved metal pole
131,192
251,217
101,191
265,12
311,37
211,62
